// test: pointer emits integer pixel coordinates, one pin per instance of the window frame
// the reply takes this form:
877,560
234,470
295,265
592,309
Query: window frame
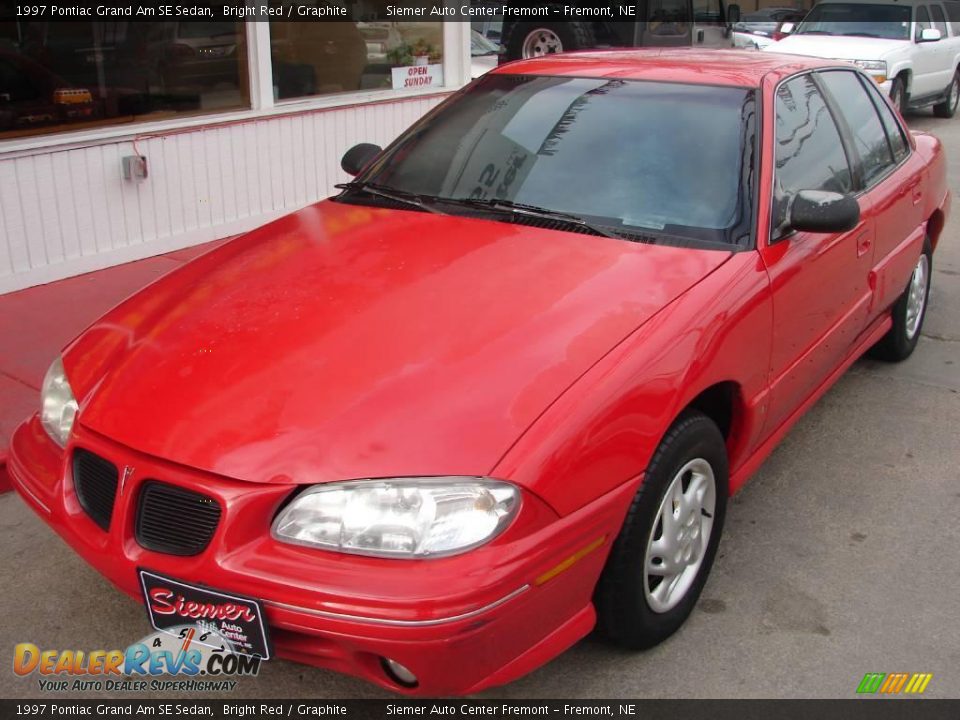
456,73
846,142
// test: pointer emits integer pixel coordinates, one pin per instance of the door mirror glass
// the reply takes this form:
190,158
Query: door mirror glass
820,211
928,35
358,157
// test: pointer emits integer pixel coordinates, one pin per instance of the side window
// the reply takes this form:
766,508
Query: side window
869,136
923,19
707,12
809,154
953,15
939,19
895,134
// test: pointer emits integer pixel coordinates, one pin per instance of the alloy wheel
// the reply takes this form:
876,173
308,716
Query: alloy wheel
917,296
681,533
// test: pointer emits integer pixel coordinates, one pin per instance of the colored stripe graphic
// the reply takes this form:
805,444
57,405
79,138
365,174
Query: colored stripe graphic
894,683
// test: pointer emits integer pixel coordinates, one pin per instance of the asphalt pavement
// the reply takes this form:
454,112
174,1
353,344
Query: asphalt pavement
840,557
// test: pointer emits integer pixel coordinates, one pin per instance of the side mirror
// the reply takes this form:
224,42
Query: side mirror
823,212
787,28
733,14
358,157
928,35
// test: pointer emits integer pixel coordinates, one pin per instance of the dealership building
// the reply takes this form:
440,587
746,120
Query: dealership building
120,140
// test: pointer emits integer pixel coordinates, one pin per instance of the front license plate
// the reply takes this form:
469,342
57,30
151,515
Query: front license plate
172,603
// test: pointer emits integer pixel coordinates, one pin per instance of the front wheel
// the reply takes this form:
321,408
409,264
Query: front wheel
948,108
908,313
898,96
660,561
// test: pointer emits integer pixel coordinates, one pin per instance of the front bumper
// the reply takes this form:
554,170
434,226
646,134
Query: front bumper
461,624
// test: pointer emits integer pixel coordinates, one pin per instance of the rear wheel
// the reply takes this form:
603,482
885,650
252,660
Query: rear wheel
948,108
660,560
908,313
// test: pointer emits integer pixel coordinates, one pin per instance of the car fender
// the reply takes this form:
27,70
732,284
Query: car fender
603,430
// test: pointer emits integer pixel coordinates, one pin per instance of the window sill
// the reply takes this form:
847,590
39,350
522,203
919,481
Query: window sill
56,142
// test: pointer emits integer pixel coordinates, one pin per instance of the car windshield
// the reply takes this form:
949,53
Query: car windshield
637,158
882,21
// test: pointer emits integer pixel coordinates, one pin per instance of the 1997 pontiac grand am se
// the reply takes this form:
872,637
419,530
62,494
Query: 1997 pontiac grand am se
433,430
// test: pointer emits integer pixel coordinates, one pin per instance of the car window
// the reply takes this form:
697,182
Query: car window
707,12
895,134
939,19
809,152
655,158
923,19
869,137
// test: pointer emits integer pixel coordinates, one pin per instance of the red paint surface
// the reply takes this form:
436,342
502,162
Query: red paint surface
344,342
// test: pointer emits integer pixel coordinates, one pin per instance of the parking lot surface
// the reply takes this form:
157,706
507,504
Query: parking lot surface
839,557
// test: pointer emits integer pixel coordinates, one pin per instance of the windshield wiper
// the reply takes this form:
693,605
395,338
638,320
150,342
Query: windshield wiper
861,34
510,206
400,196
815,32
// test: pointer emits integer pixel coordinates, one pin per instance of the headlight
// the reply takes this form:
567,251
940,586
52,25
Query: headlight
876,68
58,406
410,518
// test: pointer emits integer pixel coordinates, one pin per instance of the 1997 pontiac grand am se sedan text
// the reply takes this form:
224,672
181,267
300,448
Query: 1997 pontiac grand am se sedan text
433,430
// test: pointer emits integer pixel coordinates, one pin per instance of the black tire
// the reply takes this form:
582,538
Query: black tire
624,614
898,95
898,344
948,108
572,36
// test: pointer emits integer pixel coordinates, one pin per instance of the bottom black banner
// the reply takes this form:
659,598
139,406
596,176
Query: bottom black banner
866,709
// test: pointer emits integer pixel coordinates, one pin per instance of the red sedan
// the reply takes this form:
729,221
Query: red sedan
433,430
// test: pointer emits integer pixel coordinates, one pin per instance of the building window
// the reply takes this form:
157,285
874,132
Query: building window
57,76
323,58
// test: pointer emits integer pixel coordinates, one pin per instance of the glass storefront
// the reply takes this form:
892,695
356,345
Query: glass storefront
60,76
57,76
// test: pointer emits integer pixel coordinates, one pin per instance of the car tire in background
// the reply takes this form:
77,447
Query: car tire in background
908,313
948,108
673,524
898,95
528,40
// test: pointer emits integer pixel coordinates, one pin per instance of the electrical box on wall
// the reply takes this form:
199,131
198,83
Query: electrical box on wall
135,167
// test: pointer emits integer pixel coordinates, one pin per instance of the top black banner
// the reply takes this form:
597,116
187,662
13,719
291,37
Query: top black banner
317,10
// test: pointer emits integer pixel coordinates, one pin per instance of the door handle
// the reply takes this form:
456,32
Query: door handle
864,241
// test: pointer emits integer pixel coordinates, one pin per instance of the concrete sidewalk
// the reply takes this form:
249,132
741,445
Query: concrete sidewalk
36,323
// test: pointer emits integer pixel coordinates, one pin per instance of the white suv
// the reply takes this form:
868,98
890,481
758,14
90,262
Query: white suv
911,47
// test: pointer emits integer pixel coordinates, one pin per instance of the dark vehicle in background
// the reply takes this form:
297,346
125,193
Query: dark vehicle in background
657,23
768,21
197,55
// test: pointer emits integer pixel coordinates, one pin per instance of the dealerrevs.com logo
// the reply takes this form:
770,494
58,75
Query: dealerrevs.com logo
194,657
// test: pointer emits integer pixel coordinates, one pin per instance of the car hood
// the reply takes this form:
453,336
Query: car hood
349,342
838,47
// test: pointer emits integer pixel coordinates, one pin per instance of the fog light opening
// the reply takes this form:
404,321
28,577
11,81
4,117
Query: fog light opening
398,673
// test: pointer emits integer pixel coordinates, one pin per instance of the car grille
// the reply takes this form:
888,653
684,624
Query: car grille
95,480
175,521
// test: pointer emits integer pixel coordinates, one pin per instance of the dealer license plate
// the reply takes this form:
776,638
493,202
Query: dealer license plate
173,604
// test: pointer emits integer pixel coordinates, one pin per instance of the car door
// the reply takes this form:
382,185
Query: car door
892,177
926,58
819,281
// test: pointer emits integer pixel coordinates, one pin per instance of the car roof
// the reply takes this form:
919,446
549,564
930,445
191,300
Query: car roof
736,68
